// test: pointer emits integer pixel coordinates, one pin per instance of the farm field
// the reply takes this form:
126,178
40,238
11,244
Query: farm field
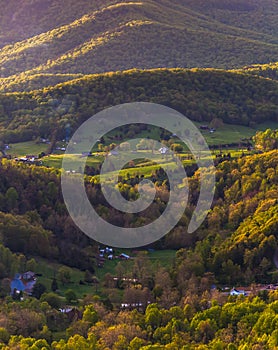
231,133
28,147
225,135
49,270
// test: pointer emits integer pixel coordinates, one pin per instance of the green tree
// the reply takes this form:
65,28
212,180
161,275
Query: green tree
206,330
88,277
38,290
266,140
5,287
54,285
64,274
31,265
52,299
136,343
176,147
153,316
11,198
70,296
90,315
121,343
4,335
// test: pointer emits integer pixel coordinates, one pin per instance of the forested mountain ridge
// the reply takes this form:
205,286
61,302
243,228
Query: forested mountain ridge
92,37
201,94
24,19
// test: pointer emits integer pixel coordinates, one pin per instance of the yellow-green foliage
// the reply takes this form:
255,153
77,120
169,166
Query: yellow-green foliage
265,70
201,94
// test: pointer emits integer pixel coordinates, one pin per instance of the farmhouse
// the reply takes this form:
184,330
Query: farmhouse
237,292
23,283
163,150
124,256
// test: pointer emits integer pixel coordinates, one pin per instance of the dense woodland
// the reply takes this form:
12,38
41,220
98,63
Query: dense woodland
238,235
264,70
201,95
101,36
236,245
63,61
198,323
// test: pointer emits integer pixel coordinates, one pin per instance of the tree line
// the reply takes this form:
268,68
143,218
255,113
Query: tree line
209,322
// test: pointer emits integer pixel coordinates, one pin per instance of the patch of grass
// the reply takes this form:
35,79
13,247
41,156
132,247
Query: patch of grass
145,168
55,160
231,133
157,257
227,134
52,161
267,125
164,258
24,148
49,270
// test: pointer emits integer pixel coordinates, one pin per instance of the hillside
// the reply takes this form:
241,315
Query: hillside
264,70
201,95
61,62
237,237
50,37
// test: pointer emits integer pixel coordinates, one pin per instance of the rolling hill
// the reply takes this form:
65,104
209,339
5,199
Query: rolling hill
61,62
201,94
45,38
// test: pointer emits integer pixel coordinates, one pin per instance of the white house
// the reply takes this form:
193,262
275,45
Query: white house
124,256
237,292
163,150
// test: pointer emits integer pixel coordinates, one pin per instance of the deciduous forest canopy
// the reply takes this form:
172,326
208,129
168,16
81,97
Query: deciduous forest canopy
215,61
99,36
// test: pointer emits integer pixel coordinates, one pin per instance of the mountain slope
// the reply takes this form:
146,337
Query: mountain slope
264,70
118,35
201,94
21,19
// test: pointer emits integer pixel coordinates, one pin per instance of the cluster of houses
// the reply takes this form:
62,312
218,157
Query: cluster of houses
29,159
131,306
108,253
257,288
107,250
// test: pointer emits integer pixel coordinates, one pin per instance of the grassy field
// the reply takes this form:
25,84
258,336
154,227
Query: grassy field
55,160
24,148
230,133
50,269
227,134
157,257
143,165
